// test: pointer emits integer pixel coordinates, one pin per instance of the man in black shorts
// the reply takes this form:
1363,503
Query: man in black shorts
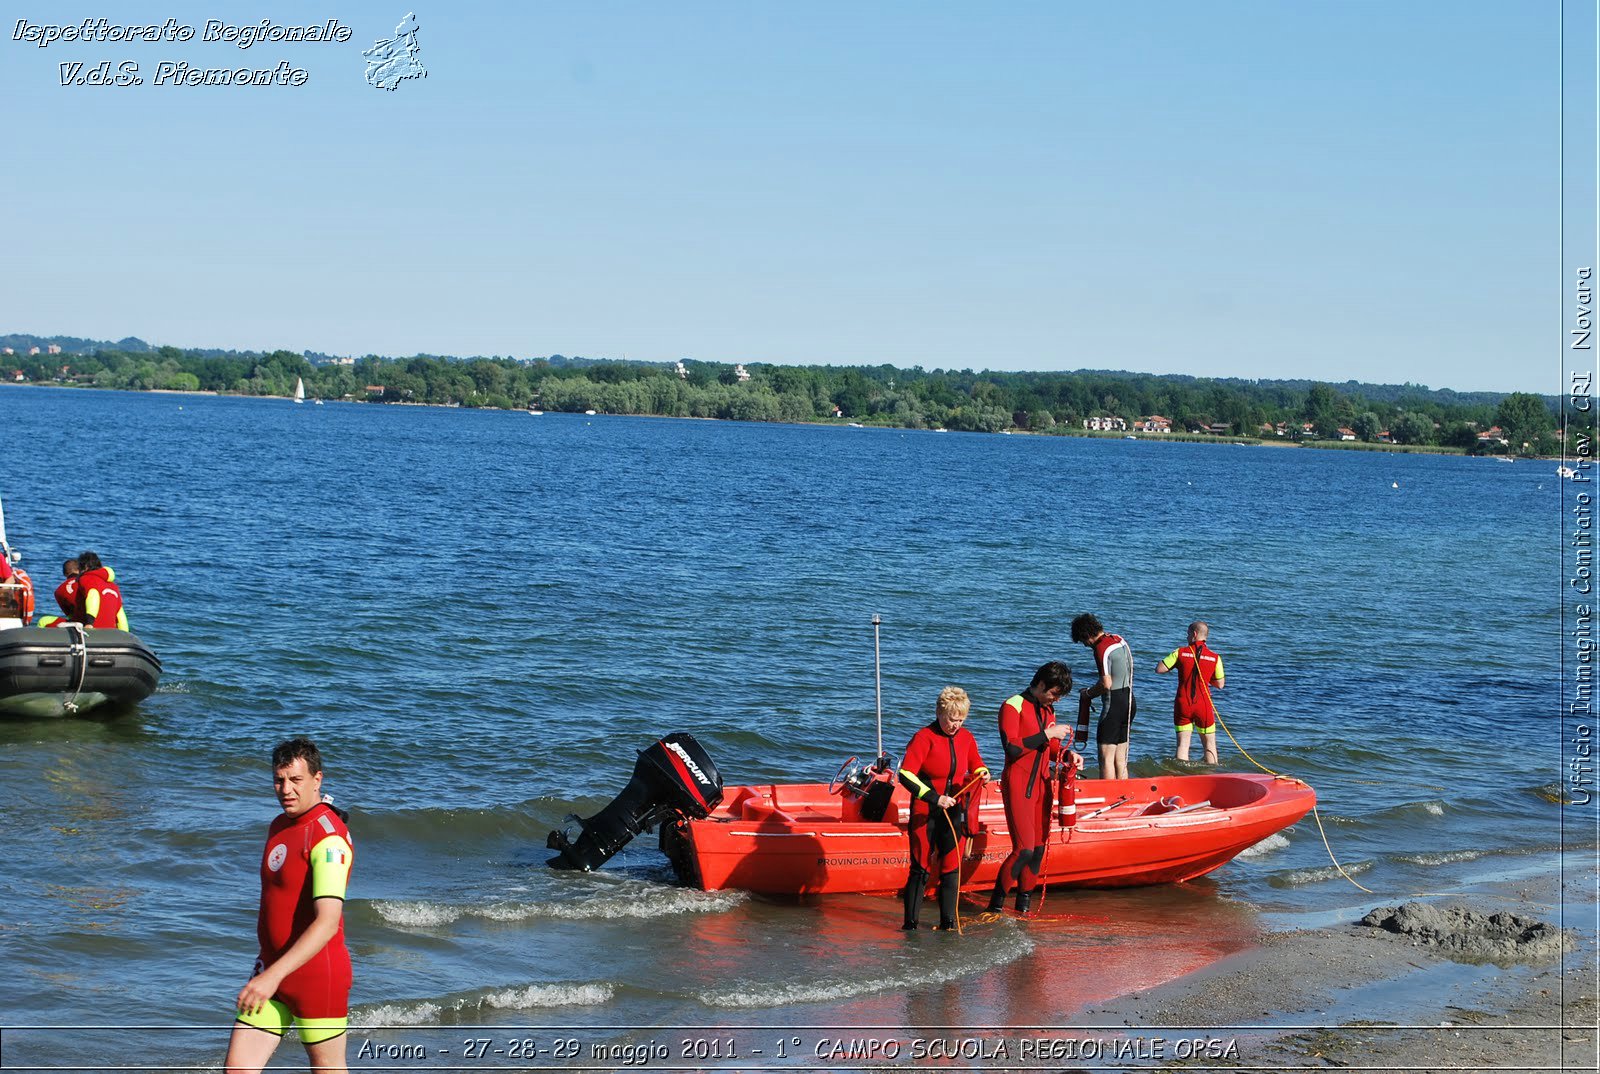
1113,661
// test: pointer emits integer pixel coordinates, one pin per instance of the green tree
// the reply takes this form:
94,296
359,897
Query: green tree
1524,417
1367,426
1412,428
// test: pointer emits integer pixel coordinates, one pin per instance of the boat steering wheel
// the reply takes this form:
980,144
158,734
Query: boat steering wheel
836,785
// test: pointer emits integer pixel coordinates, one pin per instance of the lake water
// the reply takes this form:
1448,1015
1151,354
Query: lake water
481,617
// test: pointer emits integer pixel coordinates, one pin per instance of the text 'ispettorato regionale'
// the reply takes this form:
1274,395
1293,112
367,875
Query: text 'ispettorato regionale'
179,72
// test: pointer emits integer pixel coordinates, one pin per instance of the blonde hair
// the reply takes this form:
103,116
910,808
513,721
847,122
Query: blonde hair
953,701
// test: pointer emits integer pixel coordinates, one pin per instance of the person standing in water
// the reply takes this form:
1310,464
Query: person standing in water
302,976
1199,672
1031,739
939,761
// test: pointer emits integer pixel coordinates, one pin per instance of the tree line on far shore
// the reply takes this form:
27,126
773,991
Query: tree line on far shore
1044,402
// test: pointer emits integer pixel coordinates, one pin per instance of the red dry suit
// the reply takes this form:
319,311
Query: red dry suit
1025,788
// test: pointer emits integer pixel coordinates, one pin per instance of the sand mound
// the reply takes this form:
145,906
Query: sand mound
1470,936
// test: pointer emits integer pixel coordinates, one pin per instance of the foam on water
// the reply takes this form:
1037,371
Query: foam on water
1440,857
995,951
654,901
514,998
1275,841
1295,878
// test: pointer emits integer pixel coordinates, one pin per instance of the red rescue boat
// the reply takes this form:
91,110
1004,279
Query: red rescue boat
815,838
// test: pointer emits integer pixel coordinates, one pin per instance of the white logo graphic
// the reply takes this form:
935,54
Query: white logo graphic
279,855
679,750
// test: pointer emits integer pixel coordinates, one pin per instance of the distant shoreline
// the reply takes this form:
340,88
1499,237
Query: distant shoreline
1148,438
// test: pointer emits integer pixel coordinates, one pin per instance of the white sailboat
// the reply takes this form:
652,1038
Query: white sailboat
299,390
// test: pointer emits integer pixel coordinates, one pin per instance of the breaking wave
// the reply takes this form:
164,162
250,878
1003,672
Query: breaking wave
1275,841
466,1005
1295,878
655,901
912,976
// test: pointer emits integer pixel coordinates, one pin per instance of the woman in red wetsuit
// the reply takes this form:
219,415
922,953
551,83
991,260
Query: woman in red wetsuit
1031,739
940,760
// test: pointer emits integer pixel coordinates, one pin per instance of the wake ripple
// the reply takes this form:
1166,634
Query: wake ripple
653,902
912,977
515,998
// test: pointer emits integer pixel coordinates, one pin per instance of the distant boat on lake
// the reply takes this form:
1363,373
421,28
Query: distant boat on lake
535,413
299,390
1566,471
588,412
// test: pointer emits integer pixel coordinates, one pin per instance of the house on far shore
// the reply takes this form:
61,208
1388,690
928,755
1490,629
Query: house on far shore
1106,423
1495,435
1385,437
1346,434
1154,423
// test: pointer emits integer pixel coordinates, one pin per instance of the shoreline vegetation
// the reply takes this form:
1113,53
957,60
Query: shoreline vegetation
1097,403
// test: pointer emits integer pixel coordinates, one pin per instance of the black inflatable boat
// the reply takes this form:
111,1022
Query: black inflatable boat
70,670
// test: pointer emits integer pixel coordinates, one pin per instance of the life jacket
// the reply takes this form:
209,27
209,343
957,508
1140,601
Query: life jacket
100,601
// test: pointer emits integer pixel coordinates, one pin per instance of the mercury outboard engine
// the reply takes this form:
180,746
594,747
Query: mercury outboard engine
674,776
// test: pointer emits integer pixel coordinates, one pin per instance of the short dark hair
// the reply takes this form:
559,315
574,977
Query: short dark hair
1052,676
1085,627
70,568
287,753
88,561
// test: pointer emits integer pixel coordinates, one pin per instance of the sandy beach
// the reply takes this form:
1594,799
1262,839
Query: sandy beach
1474,989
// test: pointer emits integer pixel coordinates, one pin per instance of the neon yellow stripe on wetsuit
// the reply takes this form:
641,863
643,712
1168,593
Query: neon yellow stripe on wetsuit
330,868
276,1018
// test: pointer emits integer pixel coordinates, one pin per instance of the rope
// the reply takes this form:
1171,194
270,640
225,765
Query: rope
973,782
1317,816
80,651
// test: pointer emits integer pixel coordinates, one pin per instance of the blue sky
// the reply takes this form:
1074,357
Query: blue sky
1336,191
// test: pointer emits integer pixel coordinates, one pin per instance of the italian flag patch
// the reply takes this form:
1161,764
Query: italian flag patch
333,856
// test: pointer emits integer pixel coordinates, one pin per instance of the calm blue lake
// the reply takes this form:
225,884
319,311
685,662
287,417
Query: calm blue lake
481,616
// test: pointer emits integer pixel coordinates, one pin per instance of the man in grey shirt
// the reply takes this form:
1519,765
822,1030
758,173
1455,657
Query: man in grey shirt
1113,661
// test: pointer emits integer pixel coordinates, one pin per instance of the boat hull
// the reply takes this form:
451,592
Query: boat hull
46,673
796,839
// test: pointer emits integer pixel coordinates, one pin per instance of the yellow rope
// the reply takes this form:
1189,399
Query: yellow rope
1318,818
1315,815
957,837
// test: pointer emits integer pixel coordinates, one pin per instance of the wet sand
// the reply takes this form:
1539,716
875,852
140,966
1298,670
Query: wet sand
1358,996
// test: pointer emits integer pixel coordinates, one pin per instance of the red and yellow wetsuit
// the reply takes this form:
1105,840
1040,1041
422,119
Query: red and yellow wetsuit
307,858
1025,788
67,597
935,764
1193,709
100,601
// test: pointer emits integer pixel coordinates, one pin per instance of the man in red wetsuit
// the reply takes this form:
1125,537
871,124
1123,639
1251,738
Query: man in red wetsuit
303,973
941,758
1031,739
66,597
99,599
1199,672
67,591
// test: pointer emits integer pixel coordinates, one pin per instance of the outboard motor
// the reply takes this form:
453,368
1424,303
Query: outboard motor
674,776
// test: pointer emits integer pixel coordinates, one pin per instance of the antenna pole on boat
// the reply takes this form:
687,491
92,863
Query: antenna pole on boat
877,678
